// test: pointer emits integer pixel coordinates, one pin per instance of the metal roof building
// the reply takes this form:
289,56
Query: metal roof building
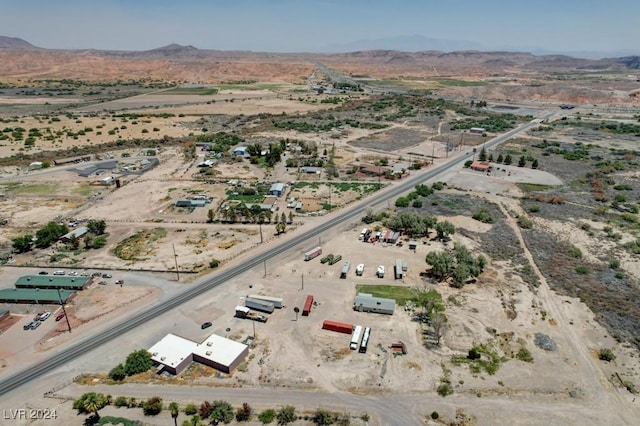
40,296
78,232
173,353
277,189
367,303
220,353
52,282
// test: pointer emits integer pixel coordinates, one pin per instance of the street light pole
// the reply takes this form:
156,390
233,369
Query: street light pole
260,232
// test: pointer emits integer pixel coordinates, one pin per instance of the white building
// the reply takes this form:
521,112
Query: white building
220,353
173,353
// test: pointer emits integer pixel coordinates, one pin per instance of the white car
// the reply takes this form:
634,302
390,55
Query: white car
58,273
380,271
73,273
44,316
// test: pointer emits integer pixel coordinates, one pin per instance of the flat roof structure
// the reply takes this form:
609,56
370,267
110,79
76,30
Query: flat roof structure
52,282
477,165
173,353
366,302
41,296
220,353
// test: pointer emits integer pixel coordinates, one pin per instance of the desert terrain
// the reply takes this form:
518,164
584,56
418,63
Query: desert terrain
552,317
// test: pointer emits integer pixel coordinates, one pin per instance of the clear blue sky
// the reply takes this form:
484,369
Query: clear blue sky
312,25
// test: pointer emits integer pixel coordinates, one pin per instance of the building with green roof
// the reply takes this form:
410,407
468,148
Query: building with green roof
53,282
35,295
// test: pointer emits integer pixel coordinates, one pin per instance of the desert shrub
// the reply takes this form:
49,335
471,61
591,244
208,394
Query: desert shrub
614,263
483,215
152,406
435,415
267,416
575,252
605,354
524,355
214,263
534,208
118,373
582,270
444,389
121,401
524,222
474,353
190,409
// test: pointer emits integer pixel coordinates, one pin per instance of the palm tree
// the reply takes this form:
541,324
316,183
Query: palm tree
94,403
174,409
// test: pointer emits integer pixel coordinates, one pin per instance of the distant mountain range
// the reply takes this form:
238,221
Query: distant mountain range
399,50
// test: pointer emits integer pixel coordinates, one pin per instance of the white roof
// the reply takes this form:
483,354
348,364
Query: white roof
220,349
242,309
172,350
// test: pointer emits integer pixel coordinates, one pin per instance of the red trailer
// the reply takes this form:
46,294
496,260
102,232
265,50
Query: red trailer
339,327
307,306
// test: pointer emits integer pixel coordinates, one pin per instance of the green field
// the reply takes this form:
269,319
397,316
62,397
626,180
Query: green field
31,189
464,83
399,294
252,86
203,91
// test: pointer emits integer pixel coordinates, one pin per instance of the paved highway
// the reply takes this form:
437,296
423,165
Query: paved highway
85,345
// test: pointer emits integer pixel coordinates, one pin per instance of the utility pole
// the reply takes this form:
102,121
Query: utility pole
265,269
302,276
260,232
433,152
175,258
64,311
254,329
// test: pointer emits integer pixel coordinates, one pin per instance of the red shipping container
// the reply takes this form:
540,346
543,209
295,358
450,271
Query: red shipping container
339,327
307,306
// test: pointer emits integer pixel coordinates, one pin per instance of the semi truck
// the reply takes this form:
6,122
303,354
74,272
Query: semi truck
244,312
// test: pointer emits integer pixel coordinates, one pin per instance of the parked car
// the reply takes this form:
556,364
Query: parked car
206,325
106,275
103,282
60,316
58,273
38,315
73,273
119,282
35,324
44,316
43,273
27,326
96,274
84,274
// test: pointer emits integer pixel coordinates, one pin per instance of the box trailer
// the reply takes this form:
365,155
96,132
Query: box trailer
244,312
398,270
355,337
278,302
306,309
345,269
339,327
258,305
313,253
335,259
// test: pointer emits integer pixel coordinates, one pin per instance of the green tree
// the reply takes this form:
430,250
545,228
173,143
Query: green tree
290,217
500,158
442,264
221,411
210,216
490,159
534,163
430,302
508,160
152,406
23,244
138,362
439,325
74,242
286,415
522,161
174,409
461,274
483,155
97,227
190,409
423,190
49,234
402,202
118,373
444,229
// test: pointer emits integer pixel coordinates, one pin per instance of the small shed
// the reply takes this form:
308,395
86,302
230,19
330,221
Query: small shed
239,151
77,233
